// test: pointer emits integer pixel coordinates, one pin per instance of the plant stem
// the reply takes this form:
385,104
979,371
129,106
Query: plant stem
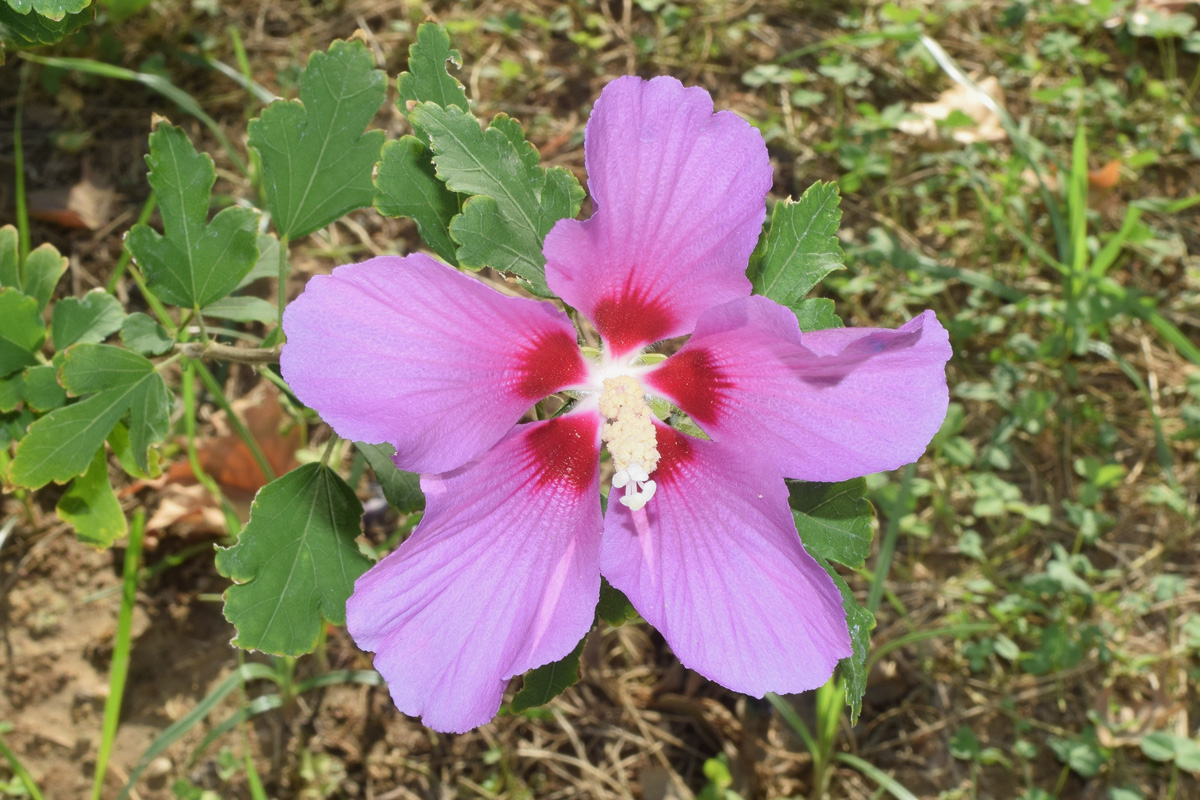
215,388
223,352
121,648
232,523
283,273
19,162
887,547
126,255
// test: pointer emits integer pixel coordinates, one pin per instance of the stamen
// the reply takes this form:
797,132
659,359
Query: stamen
629,434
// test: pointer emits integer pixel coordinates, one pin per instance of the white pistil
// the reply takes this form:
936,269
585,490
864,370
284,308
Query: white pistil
629,434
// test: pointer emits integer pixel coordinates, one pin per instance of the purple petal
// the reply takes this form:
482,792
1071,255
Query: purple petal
828,405
411,352
501,576
714,563
679,196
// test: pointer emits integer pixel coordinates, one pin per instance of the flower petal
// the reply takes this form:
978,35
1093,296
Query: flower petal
411,352
501,576
679,197
827,405
715,564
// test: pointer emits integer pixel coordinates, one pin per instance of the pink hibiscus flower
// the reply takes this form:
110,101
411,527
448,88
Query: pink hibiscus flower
503,573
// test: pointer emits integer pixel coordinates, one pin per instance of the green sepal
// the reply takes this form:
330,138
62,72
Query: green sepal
801,247
548,681
195,262
91,506
294,563
91,318
316,158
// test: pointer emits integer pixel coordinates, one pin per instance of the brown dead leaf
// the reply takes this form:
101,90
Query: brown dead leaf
228,460
1107,176
84,205
986,127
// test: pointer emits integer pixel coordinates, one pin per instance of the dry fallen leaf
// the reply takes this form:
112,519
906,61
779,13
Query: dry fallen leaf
985,125
84,205
227,459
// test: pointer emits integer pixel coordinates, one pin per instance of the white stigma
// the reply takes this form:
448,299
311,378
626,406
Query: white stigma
629,433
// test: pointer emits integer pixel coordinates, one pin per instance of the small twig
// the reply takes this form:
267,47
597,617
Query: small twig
224,352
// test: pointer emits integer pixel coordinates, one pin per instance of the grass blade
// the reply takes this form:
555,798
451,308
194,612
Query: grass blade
18,768
244,673
122,645
885,781
156,82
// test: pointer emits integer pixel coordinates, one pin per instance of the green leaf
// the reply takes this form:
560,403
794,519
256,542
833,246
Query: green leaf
1159,746
549,681
118,440
42,391
427,78
43,267
140,333
614,607
402,489
10,259
90,318
801,247
267,265
54,9
91,507
833,519
316,159
21,331
32,29
294,563
11,392
860,621
816,314
242,309
518,201
407,186
196,262
60,445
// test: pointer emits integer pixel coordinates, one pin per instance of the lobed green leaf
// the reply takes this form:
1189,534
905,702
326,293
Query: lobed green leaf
31,29
546,682
407,186
402,489
242,309
61,444
316,159
54,9
861,622
91,506
517,201
22,331
43,267
833,519
816,314
295,562
91,318
140,333
10,257
427,78
41,389
196,262
801,246
614,607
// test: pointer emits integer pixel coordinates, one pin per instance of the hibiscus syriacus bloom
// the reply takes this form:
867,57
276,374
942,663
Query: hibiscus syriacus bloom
503,573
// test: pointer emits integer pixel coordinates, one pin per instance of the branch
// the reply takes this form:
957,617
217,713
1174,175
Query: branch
224,352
